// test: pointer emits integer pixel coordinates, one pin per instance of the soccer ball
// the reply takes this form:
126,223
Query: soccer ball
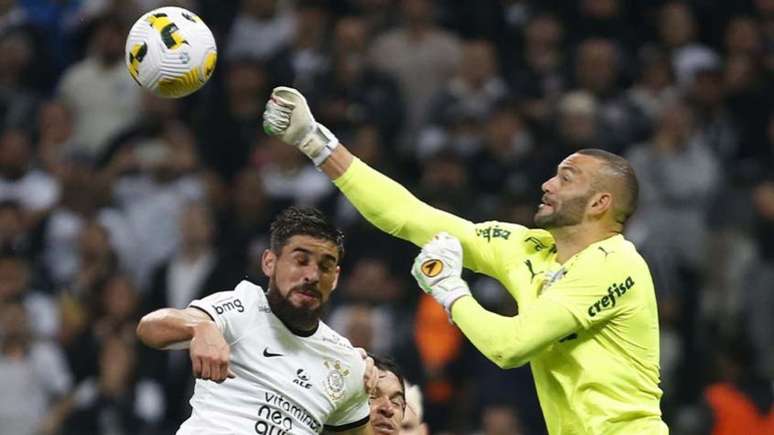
171,52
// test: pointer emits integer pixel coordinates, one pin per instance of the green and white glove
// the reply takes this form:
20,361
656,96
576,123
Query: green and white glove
438,270
287,115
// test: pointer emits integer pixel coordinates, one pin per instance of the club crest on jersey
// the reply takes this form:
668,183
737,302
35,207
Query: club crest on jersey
334,382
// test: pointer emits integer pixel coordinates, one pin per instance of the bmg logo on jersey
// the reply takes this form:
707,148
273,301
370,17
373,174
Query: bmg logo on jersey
234,304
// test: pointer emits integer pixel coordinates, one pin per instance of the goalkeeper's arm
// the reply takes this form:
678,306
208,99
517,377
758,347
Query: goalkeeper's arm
381,200
513,341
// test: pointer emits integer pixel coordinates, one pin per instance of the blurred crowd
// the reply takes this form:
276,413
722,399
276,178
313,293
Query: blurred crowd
114,203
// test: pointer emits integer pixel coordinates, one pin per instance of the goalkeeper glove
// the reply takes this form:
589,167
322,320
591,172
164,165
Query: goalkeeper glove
438,270
287,116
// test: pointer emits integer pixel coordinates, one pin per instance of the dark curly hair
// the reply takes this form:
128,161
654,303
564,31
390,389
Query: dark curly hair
307,221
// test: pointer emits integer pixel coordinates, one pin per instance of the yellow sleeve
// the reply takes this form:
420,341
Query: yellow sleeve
394,210
512,341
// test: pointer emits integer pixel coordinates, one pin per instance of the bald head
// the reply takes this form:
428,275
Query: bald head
617,176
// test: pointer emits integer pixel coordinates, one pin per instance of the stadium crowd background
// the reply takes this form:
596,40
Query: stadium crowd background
114,203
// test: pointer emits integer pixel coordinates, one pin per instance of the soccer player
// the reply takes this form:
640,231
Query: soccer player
265,363
587,321
388,398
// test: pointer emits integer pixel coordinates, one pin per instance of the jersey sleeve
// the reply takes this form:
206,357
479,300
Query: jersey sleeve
354,410
394,210
599,289
229,310
513,341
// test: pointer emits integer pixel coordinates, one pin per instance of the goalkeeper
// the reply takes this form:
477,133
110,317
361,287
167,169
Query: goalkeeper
587,321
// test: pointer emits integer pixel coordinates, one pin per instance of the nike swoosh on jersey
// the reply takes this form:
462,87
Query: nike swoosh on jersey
268,354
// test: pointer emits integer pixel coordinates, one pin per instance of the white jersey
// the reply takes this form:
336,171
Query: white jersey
285,383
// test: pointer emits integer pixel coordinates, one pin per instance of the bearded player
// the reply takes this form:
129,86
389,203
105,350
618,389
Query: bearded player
265,363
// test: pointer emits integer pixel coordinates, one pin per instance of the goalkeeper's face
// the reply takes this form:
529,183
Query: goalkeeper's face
567,194
302,277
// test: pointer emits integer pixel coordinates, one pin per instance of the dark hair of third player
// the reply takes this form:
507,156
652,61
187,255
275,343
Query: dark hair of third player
386,364
307,221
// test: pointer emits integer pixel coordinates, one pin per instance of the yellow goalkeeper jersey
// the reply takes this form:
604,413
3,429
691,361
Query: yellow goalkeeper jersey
588,327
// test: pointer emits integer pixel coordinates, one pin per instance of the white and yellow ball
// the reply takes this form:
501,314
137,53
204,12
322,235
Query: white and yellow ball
171,52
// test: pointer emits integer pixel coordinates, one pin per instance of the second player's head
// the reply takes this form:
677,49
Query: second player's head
302,264
388,398
591,185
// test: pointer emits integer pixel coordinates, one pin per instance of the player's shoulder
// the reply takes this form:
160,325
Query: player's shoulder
616,258
616,250
337,345
246,296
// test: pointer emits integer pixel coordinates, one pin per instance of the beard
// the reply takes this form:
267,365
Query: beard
569,213
294,317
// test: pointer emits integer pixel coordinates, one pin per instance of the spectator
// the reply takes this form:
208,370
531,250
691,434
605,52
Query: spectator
304,60
458,111
421,56
740,401
353,92
654,87
597,71
288,178
509,160
103,97
232,117
13,237
678,174
500,419
152,198
413,424
20,181
117,400
539,79
18,101
16,287
261,28
34,372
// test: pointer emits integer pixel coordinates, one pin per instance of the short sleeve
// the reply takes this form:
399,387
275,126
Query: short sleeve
596,291
229,309
353,412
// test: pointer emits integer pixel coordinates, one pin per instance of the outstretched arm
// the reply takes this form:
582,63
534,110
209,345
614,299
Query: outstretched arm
169,328
381,200
191,328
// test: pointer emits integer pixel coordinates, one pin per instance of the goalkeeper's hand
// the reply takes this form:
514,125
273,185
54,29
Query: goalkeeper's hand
287,116
438,270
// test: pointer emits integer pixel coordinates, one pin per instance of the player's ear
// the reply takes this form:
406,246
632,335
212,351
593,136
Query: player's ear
336,278
268,262
600,203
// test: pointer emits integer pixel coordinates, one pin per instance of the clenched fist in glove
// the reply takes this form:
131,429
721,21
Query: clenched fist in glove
438,270
287,115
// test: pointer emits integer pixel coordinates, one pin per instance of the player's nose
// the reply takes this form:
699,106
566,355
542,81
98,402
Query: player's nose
311,274
548,185
386,408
